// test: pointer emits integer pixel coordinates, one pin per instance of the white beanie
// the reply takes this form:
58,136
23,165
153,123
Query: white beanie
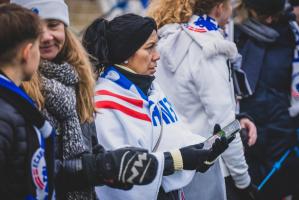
47,9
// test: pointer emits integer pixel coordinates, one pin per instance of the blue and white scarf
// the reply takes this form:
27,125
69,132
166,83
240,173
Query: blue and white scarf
203,24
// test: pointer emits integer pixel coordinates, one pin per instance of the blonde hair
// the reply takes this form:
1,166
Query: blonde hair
33,88
171,11
74,54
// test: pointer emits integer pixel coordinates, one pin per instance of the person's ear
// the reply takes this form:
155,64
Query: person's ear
25,52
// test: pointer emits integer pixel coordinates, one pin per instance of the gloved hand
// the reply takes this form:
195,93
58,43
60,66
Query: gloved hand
196,158
219,146
121,168
249,193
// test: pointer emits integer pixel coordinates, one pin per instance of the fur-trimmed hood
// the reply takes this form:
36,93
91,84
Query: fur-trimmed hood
176,39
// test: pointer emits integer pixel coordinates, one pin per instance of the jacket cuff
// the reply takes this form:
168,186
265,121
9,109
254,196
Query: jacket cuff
242,181
244,115
168,164
177,160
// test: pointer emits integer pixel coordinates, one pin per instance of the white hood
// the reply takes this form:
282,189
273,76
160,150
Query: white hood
176,39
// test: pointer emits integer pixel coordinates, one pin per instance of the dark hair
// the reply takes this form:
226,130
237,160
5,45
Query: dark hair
202,7
17,25
95,42
266,7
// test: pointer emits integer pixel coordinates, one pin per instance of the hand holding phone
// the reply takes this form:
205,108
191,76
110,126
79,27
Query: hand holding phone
228,131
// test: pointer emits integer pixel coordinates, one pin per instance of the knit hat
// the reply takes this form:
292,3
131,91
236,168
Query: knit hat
127,34
294,2
266,7
47,9
115,41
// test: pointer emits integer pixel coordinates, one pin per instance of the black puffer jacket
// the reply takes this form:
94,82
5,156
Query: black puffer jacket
18,141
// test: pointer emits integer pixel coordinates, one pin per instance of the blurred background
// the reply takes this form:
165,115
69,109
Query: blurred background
83,12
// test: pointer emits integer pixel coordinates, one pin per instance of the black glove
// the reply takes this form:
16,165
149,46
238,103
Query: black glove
196,158
249,193
219,146
121,168
217,128
244,137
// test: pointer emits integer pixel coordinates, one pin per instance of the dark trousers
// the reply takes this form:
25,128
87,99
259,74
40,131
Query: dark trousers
231,190
168,196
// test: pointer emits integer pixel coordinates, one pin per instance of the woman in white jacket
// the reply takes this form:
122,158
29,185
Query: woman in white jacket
195,60
133,111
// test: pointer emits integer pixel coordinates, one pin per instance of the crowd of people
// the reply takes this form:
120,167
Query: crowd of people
139,108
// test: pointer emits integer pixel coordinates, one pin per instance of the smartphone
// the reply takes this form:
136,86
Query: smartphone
228,131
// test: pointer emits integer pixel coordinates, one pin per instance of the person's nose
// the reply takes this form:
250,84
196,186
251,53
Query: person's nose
156,55
46,35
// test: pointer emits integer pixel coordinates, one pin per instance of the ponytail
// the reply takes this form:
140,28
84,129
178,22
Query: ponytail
96,43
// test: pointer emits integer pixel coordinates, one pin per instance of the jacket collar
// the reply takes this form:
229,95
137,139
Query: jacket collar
113,74
259,31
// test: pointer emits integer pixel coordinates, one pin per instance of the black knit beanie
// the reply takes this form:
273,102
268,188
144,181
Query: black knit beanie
266,7
294,2
126,34
115,41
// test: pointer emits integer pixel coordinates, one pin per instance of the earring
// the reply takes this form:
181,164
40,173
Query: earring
126,62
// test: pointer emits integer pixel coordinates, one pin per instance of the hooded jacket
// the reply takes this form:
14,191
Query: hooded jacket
195,63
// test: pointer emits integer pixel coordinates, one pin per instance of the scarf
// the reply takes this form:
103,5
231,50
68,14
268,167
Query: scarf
59,84
253,63
144,82
259,31
203,24
25,105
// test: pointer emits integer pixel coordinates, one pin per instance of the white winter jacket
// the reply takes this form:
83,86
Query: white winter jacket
194,74
126,117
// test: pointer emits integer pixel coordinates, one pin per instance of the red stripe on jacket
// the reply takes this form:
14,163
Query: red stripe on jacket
126,110
135,102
